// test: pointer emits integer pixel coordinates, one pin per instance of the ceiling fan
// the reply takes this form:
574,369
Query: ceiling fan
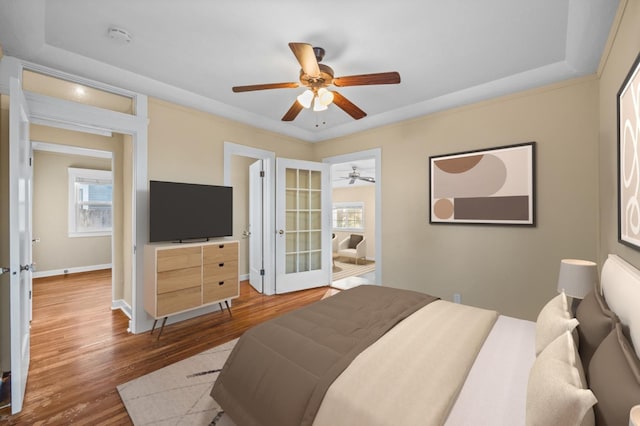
355,175
316,77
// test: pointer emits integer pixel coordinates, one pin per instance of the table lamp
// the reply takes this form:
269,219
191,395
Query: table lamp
577,278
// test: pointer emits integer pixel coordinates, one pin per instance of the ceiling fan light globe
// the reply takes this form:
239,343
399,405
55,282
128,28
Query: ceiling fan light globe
318,106
305,98
325,96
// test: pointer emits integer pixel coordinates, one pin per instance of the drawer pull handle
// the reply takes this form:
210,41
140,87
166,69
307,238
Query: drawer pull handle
221,283
221,264
221,246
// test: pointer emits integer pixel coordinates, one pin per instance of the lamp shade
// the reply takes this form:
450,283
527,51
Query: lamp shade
577,277
305,98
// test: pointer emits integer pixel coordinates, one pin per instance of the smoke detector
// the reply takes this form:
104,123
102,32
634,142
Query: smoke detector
120,34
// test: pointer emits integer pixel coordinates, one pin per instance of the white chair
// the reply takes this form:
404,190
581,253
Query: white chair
353,247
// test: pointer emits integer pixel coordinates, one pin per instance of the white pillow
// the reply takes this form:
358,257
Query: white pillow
556,394
554,319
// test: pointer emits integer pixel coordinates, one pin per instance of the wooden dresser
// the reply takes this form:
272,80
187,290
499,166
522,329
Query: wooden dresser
182,277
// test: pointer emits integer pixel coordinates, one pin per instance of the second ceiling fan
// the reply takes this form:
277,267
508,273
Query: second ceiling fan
316,77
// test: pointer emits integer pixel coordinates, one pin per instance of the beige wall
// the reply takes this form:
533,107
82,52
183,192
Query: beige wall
186,145
511,269
625,48
56,250
367,195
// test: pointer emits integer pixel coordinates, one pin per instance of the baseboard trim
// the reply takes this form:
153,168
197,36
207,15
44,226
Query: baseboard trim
244,277
122,305
54,272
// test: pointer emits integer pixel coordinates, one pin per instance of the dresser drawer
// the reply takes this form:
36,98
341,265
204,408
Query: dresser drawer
179,279
220,271
176,301
215,253
178,258
219,290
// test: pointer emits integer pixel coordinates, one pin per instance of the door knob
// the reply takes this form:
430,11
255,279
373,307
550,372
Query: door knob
281,232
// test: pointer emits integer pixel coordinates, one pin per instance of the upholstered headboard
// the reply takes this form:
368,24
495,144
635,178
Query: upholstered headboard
620,286
614,369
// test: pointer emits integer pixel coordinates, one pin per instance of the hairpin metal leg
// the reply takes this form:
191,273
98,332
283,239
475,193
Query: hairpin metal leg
226,302
164,321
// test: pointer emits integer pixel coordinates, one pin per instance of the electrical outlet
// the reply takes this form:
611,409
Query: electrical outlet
457,298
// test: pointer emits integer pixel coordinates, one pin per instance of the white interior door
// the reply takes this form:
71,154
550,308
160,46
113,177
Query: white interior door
256,225
20,264
303,240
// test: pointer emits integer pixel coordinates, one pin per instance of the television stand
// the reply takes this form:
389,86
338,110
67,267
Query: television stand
182,278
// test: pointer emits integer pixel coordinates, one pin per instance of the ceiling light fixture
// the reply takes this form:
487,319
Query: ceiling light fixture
119,34
325,96
320,98
318,105
306,98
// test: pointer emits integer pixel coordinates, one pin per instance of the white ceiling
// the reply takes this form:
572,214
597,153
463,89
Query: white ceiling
192,52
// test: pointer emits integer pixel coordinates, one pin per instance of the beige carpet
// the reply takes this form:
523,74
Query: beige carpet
179,393
349,269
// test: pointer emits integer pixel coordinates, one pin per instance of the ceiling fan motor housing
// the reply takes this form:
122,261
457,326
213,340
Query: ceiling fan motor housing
323,80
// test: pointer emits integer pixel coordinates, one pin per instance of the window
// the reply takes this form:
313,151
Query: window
348,216
90,202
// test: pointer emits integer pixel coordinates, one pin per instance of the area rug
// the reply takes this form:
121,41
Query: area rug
346,269
179,393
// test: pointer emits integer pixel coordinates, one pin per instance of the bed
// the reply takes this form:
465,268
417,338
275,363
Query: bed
380,356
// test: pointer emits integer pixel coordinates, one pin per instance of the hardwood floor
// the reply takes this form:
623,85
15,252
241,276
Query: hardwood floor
81,350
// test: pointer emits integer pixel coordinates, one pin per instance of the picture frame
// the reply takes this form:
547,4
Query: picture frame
628,111
493,186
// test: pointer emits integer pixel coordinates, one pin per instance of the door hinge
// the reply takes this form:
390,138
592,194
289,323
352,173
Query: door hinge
262,272
30,161
262,173
29,294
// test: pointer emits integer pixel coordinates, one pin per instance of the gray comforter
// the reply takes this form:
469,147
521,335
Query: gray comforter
279,371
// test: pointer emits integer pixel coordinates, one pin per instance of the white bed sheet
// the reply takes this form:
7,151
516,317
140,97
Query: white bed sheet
495,391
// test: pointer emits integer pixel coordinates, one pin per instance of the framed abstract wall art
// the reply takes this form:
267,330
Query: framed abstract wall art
629,158
490,186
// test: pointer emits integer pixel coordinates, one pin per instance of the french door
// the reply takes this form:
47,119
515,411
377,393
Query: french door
303,240
20,260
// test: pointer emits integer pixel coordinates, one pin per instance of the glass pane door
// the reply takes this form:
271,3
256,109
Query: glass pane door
305,221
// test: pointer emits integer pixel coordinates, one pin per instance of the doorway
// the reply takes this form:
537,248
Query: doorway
237,162
58,248
356,181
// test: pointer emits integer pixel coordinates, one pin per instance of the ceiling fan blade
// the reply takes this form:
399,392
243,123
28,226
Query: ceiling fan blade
293,111
367,179
352,181
347,106
367,79
253,87
306,57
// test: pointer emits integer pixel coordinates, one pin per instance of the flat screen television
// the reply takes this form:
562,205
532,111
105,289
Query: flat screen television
188,211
